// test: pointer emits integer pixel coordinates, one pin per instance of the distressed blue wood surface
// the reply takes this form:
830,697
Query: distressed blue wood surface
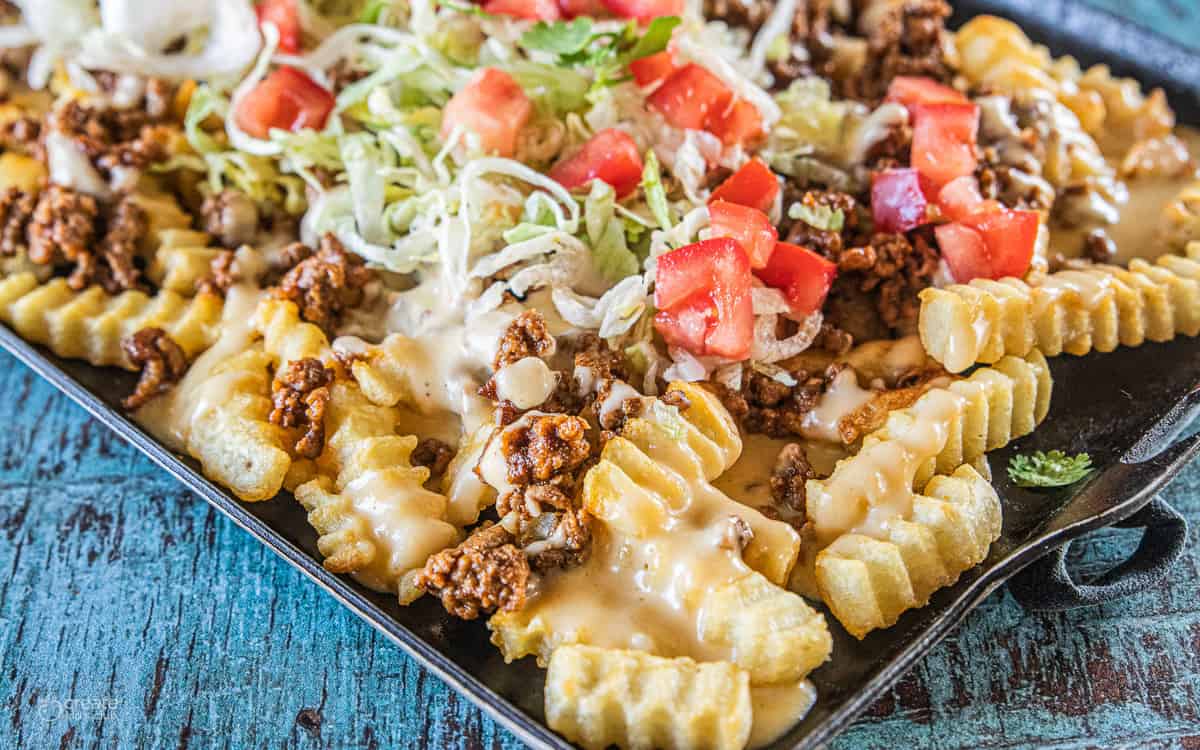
132,615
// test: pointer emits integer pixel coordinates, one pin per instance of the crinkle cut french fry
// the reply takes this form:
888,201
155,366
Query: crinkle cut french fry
599,697
286,337
232,437
869,582
368,502
91,324
1073,311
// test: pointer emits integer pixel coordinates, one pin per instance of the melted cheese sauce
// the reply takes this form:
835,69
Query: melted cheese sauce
1135,231
877,487
777,708
169,417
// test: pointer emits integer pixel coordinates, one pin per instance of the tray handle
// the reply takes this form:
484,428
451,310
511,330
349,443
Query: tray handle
1048,586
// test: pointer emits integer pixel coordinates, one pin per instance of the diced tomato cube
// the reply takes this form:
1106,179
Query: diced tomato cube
910,90
534,10
1010,236
748,226
576,8
753,185
943,146
897,202
652,68
803,276
286,17
740,123
494,107
690,96
287,99
644,10
964,251
702,292
960,198
610,155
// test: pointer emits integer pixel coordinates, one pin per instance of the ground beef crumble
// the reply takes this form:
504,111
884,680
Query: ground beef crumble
299,397
527,336
909,39
161,361
111,138
221,275
766,406
434,455
231,217
67,227
485,573
789,477
545,447
324,283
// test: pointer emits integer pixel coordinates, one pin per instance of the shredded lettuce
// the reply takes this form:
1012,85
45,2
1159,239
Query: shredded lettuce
606,233
656,194
817,216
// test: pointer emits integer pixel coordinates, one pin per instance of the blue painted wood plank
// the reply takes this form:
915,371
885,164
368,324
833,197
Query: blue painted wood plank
132,615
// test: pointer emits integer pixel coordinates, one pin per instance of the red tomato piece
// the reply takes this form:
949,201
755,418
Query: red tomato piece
610,155
803,276
943,146
749,226
286,99
644,10
960,198
690,96
286,17
965,251
576,8
740,123
702,292
753,185
653,68
910,90
1010,236
494,107
897,202
534,10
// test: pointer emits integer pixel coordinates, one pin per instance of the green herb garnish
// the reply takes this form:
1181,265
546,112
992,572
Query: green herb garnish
1053,469
577,44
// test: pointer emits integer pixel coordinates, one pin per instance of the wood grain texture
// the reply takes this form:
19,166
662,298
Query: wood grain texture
134,616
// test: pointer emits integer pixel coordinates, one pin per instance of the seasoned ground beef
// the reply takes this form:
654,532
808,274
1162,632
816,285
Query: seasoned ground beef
789,477
112,137
325,283
487,572
893,270
434,455
21,134
221,275
550,527
299,397
16,212
778,410
161,360
545,447
527,336
909,39
66,227
231,217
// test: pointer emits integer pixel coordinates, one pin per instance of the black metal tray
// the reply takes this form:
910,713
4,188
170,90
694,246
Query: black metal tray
1129,409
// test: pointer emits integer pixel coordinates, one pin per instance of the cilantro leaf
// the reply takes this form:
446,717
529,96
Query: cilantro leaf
655,40
1053,469
576,44
559,38
818,216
